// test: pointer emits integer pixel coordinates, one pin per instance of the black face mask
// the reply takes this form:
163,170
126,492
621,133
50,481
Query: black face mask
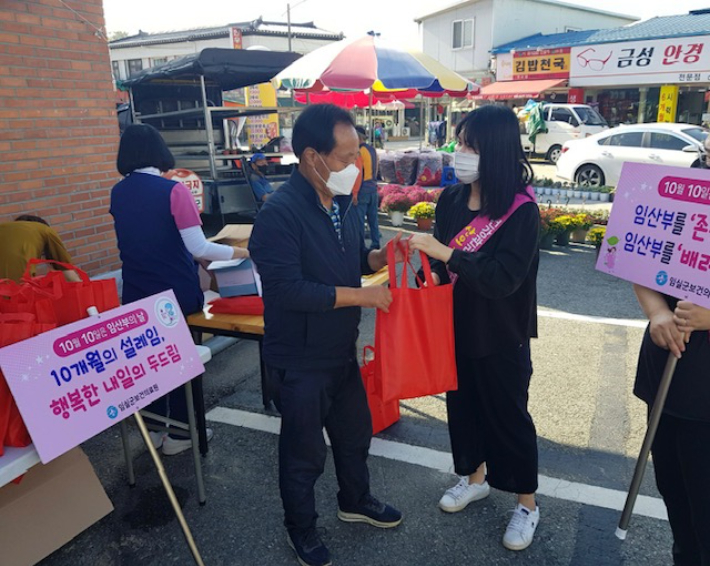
263,169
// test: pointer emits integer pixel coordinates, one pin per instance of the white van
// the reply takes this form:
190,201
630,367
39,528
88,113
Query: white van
564,122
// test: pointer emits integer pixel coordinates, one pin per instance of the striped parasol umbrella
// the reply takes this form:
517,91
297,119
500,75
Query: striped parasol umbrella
367,64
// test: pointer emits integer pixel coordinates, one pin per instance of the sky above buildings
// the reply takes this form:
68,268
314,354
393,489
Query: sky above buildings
393,19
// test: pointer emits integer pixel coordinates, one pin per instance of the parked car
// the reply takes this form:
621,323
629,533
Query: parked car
564,122
597,160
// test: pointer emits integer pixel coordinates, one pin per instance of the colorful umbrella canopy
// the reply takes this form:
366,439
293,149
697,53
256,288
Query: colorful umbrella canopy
367,63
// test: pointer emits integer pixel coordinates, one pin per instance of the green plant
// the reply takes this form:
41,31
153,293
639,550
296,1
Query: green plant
606,189
596,236
422,210
547,221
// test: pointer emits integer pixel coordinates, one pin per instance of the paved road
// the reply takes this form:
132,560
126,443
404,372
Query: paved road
589,424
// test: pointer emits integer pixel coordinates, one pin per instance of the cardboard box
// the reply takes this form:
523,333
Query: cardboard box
236,277
52,504
234,235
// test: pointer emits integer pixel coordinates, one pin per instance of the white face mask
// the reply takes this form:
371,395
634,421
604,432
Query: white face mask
466,166
340,182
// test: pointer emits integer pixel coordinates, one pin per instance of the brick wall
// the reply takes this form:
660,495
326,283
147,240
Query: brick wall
58,128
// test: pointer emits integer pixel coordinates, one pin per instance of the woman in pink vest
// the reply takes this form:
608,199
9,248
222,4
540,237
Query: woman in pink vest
486,243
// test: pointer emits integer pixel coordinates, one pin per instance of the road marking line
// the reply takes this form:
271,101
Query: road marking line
441,461
634,323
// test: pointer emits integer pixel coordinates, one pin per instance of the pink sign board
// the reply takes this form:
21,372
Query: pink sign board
659,234
78,380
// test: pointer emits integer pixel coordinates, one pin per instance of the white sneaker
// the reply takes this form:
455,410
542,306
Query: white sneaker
156,438
173,446
458,497
521,529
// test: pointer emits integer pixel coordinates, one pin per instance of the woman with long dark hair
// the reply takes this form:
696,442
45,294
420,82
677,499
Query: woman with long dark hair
486,243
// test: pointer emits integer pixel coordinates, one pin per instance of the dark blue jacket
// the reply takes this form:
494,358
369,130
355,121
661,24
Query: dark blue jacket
152,251
297,252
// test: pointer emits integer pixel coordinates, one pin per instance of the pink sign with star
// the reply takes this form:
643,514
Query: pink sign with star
78,380
659,233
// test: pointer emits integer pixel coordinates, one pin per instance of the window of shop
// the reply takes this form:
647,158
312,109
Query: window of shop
462,34
619,106
116,70
134,66
660,140
627,139
159,61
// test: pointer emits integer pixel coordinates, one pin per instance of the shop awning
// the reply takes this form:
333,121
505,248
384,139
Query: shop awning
505,90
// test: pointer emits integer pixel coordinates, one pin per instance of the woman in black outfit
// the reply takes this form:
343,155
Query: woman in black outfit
493,438
681,455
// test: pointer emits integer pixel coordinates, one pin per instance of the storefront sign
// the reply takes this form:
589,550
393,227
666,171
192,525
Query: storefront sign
575,96
504,67
668,103
193,182
659,232
671,61
264,127
76,381
541,64
236,35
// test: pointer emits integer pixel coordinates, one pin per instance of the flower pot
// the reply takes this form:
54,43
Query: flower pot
594,195
546,241
577,194
579,236
570,193
555,192
586,195
604,197
396,217
562,238
548,190
424,224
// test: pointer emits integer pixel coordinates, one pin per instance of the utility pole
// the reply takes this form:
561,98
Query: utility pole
288,19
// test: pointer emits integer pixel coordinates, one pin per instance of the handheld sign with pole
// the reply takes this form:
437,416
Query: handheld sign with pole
658,236
76,381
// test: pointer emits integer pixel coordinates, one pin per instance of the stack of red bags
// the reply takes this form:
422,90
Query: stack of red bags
36,305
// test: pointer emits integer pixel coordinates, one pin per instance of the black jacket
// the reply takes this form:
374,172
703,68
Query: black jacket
297,252
495,297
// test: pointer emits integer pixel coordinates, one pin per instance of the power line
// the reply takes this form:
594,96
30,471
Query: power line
295,6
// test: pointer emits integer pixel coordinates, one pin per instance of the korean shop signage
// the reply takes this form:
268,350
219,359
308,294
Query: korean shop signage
541,64
662,61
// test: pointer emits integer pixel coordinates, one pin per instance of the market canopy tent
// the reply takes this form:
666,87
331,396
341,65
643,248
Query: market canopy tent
229,69
505,90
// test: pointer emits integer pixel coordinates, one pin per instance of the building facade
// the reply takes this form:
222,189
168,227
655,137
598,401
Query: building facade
462,36
655,70
58,128
135,53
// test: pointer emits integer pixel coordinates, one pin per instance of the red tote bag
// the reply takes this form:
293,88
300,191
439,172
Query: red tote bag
415,340
383,414
13,328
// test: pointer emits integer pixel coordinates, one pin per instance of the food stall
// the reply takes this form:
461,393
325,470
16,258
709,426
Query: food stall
183,99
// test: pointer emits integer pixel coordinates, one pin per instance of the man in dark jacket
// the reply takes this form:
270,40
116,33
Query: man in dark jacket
308,247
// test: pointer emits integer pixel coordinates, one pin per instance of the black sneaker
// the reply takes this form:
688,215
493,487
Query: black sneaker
309,548
372,512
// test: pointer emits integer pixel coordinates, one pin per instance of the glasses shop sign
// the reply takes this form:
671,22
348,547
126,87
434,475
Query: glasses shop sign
664,61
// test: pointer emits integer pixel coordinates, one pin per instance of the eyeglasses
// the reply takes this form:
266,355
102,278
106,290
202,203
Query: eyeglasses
593,64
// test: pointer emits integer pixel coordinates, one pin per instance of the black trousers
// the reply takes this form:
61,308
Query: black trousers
681,458
489,419
308,401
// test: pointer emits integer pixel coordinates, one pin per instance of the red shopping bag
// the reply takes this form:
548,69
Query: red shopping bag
249,305
72,299
13,328
415,340
383,414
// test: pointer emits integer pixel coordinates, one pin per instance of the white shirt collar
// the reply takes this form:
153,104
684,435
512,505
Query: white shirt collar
148,171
